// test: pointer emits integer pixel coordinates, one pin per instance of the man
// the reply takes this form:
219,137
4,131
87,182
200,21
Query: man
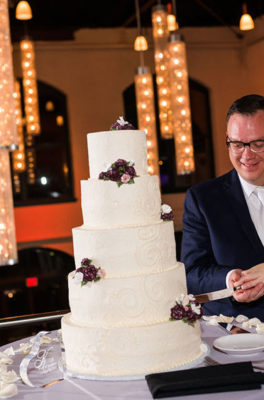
223,233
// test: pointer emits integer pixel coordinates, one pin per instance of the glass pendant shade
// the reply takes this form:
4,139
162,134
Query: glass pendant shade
180,103
172,23
146,116
8,250
246,23
23,11
141,44
8,131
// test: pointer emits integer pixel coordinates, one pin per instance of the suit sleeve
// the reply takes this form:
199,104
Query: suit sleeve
202,272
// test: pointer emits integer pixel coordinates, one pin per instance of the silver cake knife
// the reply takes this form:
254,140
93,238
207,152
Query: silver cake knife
217,295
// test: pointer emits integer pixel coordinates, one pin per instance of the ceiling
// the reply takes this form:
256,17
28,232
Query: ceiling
58,19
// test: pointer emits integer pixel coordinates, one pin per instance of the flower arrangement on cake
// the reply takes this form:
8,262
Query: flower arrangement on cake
166,212
186,309
121,124
88,273
121,171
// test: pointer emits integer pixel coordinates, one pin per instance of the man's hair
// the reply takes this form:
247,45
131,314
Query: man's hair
246,105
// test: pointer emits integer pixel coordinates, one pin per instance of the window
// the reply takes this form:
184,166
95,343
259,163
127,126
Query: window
202,139
48,175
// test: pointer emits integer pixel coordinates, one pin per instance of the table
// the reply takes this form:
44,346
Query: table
133,390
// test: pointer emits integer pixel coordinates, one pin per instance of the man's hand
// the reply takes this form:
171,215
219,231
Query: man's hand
249,295
250,277
251,282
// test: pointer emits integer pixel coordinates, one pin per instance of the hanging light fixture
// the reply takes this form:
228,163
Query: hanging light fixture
8,132
161,55
8,251
8,141
23,11
18,156
146,116
182,126
246,22
140,43
145,106
30,87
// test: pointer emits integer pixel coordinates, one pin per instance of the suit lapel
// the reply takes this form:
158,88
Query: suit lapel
239,207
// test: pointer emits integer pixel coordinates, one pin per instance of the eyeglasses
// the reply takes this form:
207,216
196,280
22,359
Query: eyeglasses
237,147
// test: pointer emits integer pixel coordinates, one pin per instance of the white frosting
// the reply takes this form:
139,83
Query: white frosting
127,251
104,204
134,301
104,148
129,350
119,325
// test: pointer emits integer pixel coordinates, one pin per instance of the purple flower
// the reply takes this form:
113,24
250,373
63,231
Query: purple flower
167,217
118,127
89,273
86,261
130,171
114,174
186,312
102,175
120,163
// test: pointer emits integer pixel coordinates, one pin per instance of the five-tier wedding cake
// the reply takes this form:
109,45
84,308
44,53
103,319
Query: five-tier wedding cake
123,320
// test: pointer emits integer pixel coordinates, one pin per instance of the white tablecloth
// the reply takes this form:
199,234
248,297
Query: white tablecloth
133,390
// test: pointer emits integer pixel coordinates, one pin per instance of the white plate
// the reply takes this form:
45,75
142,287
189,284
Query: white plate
241,343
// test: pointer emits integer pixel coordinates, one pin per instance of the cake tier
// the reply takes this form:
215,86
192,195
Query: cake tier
133,301
104,148
105,204
124,252
129,350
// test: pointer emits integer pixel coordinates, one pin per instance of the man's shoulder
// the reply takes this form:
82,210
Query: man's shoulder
214,185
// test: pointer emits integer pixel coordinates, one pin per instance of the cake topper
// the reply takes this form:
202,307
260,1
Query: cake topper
121,124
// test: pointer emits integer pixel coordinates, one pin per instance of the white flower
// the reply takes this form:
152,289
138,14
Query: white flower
166,209
45,340
108,167
4,359
78,278
121,121
131,163
9,351
25,347
241,318
185,300
260,328
9,377
8,390
3,369
196,309
191,297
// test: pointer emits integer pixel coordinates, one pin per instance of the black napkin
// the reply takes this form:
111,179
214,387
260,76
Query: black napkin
213,379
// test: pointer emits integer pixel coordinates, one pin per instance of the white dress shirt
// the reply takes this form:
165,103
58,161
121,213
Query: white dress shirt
254,196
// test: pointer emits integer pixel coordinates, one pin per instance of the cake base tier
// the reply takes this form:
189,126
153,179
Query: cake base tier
129,351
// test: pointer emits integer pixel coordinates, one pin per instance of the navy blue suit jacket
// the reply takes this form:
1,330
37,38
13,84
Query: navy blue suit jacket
219,235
